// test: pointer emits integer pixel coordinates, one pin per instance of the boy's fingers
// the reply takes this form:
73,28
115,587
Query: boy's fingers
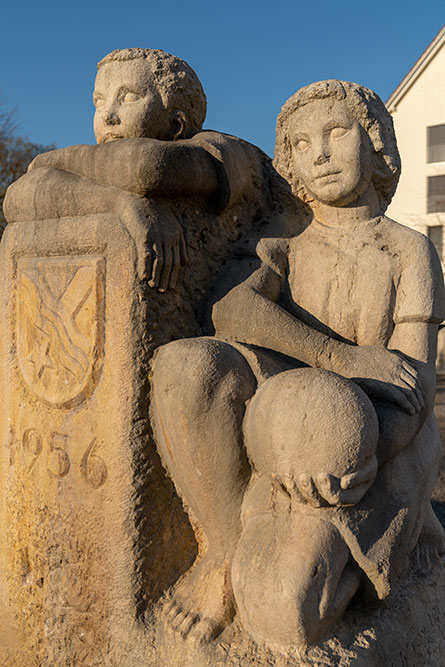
166,267
352,496
175,267
410,369
157,264
325,486
419,396
408,378
413,382
183,249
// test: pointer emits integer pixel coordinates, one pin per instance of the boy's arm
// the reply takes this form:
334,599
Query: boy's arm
46,193
146,167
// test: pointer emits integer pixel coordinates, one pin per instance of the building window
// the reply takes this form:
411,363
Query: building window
436,143
436,194
435,235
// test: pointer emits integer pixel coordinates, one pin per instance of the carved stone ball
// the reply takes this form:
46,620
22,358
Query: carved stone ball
309,421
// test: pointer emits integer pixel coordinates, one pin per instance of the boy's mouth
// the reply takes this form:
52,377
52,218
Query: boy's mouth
109,136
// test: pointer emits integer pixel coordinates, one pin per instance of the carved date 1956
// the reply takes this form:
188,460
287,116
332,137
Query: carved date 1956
92,466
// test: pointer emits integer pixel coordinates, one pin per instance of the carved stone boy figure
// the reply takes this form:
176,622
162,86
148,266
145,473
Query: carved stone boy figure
155,102
288,540
95,531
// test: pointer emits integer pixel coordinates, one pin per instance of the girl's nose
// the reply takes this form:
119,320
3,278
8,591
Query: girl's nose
322,152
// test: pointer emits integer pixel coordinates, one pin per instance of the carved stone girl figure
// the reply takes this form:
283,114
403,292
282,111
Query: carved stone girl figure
288,544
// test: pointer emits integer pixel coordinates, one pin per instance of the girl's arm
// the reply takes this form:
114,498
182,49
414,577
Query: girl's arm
250,313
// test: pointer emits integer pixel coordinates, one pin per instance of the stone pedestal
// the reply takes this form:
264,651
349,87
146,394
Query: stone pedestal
406,631
76,458
93,530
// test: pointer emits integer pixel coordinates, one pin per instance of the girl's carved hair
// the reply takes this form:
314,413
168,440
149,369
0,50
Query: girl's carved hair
370,112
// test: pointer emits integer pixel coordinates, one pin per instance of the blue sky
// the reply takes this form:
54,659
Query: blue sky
250,56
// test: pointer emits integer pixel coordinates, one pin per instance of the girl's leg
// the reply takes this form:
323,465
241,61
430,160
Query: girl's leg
200,388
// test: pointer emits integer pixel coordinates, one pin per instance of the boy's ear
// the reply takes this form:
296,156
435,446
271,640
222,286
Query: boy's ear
179,126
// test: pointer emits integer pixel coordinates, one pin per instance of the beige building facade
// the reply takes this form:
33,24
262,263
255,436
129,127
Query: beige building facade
417,106
418,109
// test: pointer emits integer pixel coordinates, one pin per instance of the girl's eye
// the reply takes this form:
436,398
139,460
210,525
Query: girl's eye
338,132
130,97
302,144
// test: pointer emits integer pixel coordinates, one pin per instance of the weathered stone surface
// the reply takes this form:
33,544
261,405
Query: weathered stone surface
94,530
313,533
306,494
407,630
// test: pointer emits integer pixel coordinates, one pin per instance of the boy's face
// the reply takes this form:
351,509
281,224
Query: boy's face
332,154
127,103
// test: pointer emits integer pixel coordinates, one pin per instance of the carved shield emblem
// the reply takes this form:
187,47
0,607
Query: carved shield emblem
60,326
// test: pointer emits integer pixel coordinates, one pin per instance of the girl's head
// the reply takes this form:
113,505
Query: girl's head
333,136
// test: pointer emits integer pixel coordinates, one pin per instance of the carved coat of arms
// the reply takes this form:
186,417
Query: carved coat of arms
60,325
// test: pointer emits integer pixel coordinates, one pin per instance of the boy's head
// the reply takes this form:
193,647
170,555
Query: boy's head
146,93
364,108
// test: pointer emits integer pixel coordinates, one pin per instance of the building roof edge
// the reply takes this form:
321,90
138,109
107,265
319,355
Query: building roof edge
416,70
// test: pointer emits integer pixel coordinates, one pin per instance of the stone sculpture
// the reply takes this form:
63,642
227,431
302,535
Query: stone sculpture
320,488
90,265
299,436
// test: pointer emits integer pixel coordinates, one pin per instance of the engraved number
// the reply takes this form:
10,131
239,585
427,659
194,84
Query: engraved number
57,445
93,467
32,443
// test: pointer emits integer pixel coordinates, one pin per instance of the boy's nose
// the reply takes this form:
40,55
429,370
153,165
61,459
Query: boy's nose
110,117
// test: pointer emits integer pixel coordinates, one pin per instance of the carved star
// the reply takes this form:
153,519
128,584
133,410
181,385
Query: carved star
40,358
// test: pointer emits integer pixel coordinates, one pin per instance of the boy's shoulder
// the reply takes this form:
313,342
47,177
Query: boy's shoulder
243,167
219,142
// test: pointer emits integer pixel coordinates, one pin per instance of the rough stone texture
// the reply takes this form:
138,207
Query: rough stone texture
302,553
321,518
404,632
94,530
438,497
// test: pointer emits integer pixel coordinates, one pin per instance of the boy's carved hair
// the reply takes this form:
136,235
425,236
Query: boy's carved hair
176,82
370,112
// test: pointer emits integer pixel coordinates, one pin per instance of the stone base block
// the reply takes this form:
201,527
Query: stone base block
405,631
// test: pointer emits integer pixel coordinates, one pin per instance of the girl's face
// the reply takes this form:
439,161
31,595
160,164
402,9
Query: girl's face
332,154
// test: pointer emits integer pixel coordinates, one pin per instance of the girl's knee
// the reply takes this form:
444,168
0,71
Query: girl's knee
200,368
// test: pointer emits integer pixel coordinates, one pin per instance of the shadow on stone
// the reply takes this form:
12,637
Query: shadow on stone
439,509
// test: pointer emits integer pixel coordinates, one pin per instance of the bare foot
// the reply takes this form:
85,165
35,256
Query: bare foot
201,605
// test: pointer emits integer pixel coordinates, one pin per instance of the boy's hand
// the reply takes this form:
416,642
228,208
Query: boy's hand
162,234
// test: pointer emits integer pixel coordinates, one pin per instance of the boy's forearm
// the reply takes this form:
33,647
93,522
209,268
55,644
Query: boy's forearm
47,193
145,167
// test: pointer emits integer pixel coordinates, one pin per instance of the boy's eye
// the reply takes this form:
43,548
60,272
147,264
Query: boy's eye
302,144
338,132
130,97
